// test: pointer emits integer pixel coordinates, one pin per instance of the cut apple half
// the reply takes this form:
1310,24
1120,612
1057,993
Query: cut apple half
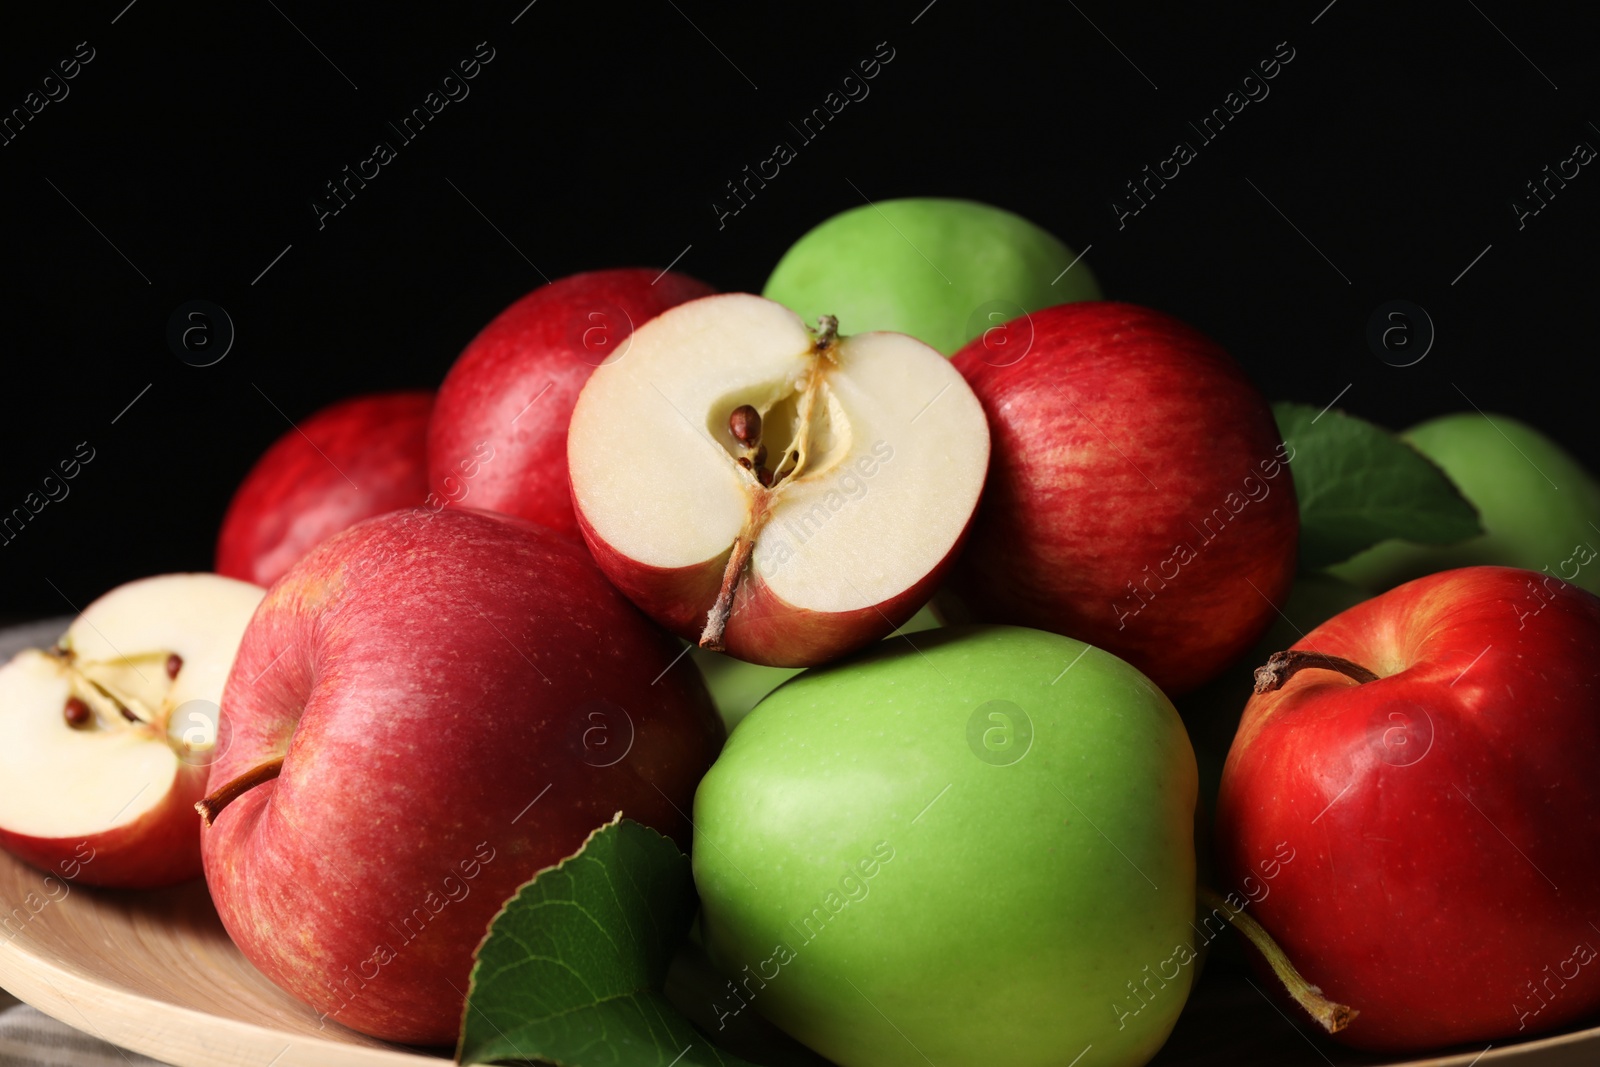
109,735
780,493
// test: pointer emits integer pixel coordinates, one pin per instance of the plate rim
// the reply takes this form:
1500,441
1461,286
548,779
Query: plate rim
171,1033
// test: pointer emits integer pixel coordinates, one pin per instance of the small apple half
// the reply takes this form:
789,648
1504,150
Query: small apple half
109,735
781,494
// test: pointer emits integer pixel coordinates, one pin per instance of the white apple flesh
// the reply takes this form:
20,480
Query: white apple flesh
109,735
790,538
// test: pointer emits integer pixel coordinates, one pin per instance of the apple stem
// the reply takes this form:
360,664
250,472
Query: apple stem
1281,666
1330,1015
717,617
212,805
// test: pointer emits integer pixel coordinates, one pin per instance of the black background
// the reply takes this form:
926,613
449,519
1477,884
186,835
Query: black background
600,135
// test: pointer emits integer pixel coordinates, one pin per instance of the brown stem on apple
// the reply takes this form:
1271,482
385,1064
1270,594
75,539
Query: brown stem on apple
212,805
1332,1016
1281,666
717,618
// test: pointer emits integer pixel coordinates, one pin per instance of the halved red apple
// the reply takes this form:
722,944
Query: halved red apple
783,494
108,736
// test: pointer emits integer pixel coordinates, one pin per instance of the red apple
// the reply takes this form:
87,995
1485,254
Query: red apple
1443,816
511,392
105,737
350,461
784,496
427,710
1139,496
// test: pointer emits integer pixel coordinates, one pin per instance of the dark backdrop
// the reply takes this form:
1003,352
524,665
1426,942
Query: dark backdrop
183,159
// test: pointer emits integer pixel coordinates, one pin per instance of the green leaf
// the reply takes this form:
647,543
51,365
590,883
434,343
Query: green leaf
1359,484
572,970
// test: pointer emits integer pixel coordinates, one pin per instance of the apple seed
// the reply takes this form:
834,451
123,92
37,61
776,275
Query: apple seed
77,713
745,425
174,665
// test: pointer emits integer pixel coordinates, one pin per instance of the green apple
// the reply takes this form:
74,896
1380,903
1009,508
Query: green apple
976,850
943,271
1539,507
737,686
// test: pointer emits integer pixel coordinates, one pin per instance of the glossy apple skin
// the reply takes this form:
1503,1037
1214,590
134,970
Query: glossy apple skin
1115,438
426,677
1538,505
1434,812
1004,927
544,346
939,269
350,461
160,848
763,628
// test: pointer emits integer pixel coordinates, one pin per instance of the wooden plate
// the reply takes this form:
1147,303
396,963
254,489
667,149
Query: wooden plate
155,972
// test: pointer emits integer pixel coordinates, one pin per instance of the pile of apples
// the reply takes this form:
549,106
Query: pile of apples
451,634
